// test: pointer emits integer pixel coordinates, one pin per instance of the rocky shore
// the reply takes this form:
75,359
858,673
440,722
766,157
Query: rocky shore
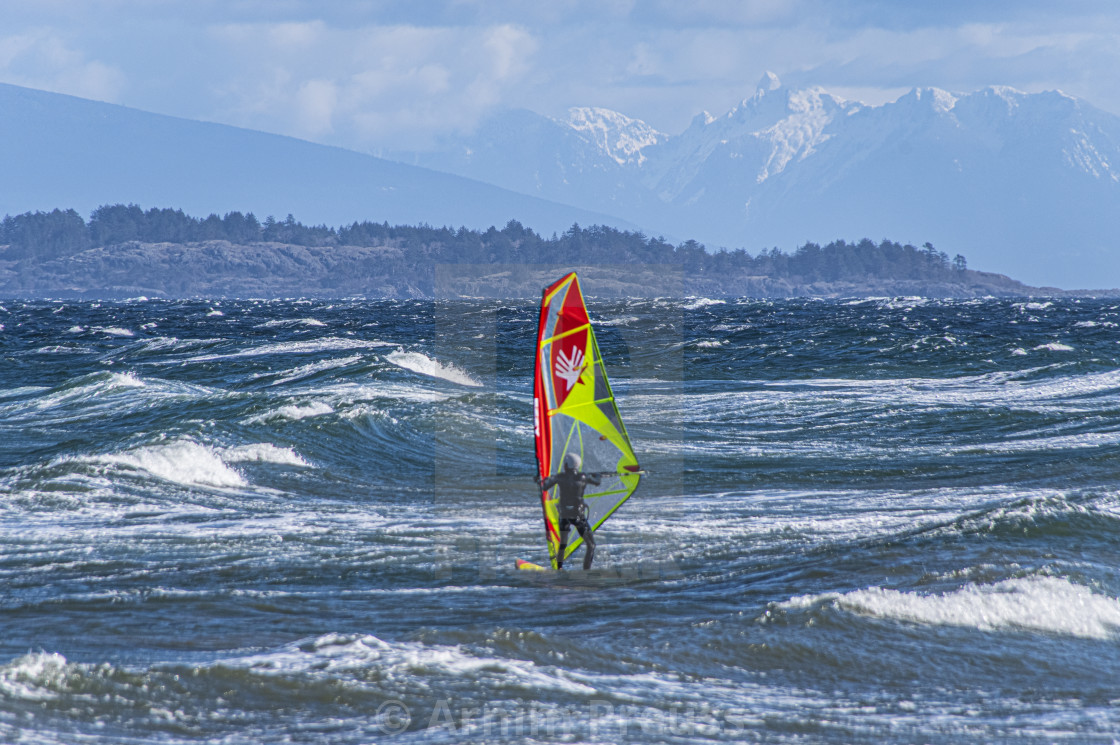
221,269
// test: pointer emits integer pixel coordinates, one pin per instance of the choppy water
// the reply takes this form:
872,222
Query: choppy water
258,522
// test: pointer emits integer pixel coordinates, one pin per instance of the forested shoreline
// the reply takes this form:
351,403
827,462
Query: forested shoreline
123,249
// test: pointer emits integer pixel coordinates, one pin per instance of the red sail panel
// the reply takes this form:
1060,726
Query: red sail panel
573,312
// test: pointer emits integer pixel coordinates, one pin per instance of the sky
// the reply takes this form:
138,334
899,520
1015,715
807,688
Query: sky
383,75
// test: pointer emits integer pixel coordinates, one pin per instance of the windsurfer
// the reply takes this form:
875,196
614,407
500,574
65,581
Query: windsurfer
572,509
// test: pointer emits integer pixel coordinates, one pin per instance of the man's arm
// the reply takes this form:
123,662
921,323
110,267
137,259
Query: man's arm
547,483
592,478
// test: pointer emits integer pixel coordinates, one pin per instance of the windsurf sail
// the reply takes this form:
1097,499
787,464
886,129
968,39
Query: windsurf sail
575,412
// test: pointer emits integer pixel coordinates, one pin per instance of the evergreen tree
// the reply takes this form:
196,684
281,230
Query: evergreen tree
116,223
44,235
241,228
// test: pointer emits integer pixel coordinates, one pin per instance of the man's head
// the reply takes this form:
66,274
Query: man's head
572,462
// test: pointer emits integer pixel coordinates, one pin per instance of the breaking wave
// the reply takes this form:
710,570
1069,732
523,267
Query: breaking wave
182,462
1037,604
293,412
425,365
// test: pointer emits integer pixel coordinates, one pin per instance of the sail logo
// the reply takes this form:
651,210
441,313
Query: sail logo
570,367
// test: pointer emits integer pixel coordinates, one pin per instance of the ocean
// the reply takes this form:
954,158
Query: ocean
876,520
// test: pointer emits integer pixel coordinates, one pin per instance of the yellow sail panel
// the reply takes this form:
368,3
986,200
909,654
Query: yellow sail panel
575,411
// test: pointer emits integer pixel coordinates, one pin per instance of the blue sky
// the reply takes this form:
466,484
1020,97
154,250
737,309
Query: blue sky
377,75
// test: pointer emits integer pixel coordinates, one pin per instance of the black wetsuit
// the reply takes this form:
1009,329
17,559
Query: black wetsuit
573,511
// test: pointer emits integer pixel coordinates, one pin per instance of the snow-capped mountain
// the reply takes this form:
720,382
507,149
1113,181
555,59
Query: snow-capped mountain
619,137
1014,181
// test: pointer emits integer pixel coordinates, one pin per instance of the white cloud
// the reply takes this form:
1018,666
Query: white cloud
316,101
509,49
385,74
665,73
719,13
371,87
297,35
41,59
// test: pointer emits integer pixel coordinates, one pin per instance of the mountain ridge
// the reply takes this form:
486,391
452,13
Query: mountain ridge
62,150
1002,175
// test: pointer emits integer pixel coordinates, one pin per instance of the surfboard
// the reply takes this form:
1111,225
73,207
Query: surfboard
574,411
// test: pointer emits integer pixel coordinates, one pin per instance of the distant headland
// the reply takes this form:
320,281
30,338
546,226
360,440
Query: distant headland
125,251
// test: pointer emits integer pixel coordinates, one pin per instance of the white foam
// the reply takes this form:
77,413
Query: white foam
182,461
296,347
336,654
710,343
421,363
215,312
33,677
989,389
348,394
293,412
292,322
1042,604
362,411
114,331
620,321
124,380
161,343
22,390
904,303
90,396
1055,346
702,303
264,452
311,368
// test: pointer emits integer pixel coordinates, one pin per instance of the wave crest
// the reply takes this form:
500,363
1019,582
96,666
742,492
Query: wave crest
425,365
1040,604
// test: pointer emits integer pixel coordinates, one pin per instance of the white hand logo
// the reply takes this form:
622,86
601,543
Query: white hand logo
570,367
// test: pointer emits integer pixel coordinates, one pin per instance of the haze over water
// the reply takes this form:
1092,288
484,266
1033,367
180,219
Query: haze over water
262,522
